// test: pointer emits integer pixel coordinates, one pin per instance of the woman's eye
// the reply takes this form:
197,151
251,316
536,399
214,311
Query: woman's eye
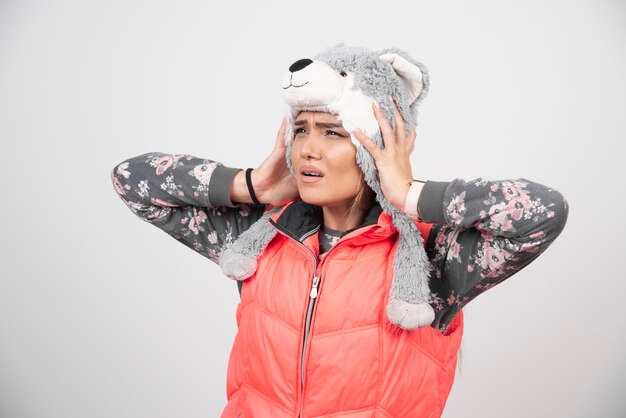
329,132
298,131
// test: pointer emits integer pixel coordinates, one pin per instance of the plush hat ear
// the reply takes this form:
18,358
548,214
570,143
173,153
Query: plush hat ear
410,74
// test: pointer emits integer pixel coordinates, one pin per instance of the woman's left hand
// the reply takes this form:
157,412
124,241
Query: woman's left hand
394,166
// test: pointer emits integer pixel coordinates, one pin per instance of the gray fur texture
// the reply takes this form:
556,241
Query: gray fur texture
238,260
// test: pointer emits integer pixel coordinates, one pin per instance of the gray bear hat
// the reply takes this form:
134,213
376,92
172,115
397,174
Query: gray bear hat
345,81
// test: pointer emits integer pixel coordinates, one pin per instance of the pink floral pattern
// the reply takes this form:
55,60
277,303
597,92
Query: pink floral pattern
492,229
171,192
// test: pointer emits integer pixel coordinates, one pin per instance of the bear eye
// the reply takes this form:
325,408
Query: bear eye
343,74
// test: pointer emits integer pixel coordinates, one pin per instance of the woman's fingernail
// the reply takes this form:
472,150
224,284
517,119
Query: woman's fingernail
376,105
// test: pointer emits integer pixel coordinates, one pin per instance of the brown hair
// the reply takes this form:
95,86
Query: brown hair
364,198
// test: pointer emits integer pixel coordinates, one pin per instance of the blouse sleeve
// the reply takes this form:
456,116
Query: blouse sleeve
484,232
186,197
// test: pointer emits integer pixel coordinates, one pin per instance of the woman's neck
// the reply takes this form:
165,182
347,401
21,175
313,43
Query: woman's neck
336,218
343,217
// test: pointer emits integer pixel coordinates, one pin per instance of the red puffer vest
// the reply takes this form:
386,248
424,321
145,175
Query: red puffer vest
313,338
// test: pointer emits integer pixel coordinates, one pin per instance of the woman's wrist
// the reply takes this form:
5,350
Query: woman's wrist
239,190
412,197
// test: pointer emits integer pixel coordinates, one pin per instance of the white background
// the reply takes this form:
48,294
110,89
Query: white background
103,315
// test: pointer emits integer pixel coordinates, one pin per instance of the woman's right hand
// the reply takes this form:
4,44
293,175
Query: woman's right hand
272,181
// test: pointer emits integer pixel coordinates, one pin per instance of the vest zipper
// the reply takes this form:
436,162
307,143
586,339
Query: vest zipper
307,324
317,278
312,298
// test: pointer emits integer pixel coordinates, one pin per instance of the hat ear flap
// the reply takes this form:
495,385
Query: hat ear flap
410,74
238,260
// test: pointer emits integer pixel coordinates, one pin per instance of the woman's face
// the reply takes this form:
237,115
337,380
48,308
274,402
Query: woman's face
321,145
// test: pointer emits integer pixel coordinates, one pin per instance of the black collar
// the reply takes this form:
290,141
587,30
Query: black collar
301,219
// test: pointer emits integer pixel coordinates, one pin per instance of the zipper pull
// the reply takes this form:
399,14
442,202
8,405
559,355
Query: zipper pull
313,293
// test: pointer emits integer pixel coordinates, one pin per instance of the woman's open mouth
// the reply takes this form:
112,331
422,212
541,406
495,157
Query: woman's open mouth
310,174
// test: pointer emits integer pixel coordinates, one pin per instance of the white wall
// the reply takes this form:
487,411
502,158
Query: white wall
103,315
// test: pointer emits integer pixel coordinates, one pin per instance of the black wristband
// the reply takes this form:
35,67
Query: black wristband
250,189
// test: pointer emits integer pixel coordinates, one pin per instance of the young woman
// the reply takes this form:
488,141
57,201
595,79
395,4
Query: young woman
313,339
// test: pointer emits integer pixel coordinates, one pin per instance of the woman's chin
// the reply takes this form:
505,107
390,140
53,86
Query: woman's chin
312,197
312,200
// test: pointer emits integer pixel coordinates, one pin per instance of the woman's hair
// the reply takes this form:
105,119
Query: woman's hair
363,199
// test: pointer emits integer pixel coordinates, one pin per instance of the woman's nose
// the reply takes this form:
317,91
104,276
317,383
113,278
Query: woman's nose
310,148
300,64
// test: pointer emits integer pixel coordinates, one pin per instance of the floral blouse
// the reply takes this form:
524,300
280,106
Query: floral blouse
484,230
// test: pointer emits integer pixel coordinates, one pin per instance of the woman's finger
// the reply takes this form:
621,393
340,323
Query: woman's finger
367,143
399,122
386,131
280,137
411,140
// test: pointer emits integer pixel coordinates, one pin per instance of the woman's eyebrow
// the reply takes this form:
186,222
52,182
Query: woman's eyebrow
320,124
329,125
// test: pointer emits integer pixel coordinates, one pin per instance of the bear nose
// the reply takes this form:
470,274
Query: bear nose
300,64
